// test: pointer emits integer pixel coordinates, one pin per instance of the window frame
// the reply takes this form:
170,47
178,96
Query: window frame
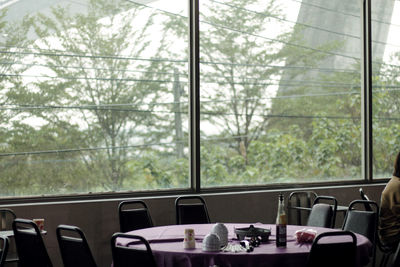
194,129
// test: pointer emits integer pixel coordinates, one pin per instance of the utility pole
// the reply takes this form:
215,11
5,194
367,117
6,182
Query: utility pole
177,114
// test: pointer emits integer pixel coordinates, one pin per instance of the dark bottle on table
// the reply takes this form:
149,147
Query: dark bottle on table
281,224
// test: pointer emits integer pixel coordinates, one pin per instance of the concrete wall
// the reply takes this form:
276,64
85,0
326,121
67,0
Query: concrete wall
99,218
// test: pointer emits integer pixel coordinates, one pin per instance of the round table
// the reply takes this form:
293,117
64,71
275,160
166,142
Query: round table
167,245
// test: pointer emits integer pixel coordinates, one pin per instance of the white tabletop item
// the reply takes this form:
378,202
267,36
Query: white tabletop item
222,232
189,241
211,242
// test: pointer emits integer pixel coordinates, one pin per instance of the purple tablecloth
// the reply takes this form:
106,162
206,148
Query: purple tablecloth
167,245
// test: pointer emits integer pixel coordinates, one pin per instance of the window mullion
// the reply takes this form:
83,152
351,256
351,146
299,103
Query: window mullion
366,91
194,110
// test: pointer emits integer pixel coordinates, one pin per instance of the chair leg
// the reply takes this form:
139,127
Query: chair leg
385,259
382,260
374,257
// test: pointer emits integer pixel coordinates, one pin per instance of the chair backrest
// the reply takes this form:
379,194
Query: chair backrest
299,206
365,197
133,218
193,212
323,214
136,254
7,216
30,246
74,248
328,252
3,249
363,221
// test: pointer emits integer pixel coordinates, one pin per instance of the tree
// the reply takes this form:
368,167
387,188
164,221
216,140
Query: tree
96,90
241,64
13,38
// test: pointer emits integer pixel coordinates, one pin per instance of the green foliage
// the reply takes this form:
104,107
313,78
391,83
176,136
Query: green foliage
101,115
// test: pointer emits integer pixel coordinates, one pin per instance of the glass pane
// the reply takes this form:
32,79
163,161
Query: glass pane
385,85
280,91
94,96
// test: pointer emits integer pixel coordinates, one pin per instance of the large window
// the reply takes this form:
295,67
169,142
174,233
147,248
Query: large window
280,91
96,96
385,85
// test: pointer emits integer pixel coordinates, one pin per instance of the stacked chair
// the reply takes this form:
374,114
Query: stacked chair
299,206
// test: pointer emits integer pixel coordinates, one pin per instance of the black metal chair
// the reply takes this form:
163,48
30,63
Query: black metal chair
7,216
191,212
30,246
323,214
132,256
299,206
330,254
133,218
362,221
387,251
74,248
3,250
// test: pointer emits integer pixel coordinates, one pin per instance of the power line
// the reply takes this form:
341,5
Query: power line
291,83
88,78
342,12
89,68
310,68
213,100
221,26
202,62
302,24
27,153
58,151
263,37
118,107
251,34
92,56
214,113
